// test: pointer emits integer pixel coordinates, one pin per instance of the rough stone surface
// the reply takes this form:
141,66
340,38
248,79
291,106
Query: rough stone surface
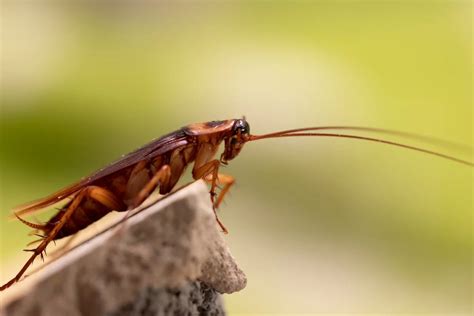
169,259
193,299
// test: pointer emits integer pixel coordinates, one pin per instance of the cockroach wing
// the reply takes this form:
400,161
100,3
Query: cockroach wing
153,149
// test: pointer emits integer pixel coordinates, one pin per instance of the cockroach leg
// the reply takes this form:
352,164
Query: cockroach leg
208,170
161,177
228,181
39,250
221,225
99,194
225,180
106,198
210,173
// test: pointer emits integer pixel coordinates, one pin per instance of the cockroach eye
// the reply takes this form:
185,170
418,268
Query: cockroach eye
242,126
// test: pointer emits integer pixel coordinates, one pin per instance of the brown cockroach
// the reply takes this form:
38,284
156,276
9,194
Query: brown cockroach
126,183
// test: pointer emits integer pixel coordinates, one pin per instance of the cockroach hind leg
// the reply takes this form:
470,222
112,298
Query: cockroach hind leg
51,235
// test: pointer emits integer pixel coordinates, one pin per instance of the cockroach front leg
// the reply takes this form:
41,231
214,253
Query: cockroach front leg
210,173
227,181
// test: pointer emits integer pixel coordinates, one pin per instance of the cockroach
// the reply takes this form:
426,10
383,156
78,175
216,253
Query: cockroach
125,184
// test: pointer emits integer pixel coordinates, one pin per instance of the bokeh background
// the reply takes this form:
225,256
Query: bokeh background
319,225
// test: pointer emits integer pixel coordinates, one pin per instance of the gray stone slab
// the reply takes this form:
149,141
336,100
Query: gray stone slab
168,259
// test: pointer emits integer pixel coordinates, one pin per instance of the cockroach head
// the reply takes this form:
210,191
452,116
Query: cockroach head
236,139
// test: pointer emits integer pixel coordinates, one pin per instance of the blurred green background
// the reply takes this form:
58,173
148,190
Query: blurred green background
318,225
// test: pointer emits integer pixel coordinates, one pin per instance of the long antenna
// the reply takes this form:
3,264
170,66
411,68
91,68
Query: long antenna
423,138
296,132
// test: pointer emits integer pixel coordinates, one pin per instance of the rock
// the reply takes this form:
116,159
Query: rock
194,298
168,259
